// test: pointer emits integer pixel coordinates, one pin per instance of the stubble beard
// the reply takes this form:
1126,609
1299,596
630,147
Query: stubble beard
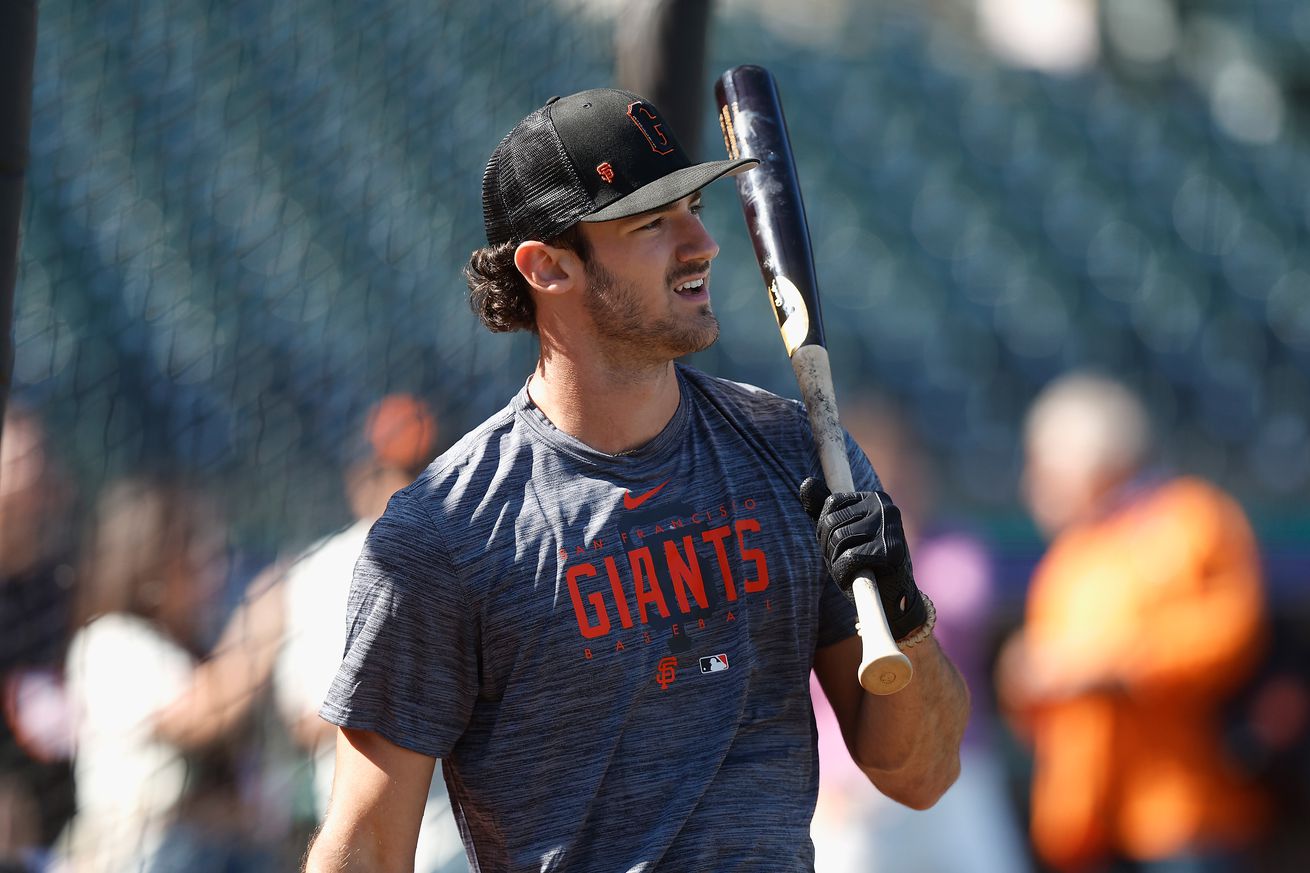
615,310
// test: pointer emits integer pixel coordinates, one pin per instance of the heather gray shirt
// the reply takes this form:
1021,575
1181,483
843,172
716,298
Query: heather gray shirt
611,653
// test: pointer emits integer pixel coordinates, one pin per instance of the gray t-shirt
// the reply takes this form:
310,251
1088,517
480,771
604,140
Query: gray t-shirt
611,652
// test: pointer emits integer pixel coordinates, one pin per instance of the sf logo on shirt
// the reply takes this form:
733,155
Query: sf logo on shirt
666,672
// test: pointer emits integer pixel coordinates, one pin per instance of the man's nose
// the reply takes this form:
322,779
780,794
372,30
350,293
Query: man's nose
697,243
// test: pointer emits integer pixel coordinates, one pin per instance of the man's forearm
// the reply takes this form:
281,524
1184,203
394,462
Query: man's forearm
908,743
329,853
322,856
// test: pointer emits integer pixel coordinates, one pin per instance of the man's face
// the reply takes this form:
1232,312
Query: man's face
648,283
1061,486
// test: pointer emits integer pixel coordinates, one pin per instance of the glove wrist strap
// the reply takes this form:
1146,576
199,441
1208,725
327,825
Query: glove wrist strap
925,630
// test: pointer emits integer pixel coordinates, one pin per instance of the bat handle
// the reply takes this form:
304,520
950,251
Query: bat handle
884,669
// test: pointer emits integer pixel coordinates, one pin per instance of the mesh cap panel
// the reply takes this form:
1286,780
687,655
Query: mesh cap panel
530,190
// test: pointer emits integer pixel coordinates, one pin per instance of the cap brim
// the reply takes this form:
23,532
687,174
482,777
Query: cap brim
670,188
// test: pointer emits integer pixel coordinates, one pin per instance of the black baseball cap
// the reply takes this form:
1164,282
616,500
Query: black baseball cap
592,156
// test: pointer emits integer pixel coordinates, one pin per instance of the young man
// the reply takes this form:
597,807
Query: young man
601,607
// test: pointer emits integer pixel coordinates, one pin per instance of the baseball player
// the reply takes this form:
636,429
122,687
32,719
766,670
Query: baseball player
601,607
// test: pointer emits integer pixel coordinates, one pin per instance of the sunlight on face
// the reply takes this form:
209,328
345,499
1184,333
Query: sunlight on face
621,315
635,266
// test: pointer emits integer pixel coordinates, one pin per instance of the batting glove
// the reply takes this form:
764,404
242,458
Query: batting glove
860,534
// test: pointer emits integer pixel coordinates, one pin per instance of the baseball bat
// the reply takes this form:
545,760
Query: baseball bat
750,114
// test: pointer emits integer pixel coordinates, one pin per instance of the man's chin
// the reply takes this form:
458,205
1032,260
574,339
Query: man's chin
705,337
712,328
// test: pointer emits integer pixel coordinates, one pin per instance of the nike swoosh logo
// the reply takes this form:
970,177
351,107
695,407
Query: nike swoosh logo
630,502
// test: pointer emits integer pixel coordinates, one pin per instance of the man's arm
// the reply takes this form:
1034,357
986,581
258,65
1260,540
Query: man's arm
379,790
225,684
907,743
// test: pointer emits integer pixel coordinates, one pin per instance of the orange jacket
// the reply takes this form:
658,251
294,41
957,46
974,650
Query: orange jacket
1163,599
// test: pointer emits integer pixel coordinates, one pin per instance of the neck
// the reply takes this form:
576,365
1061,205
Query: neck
611,408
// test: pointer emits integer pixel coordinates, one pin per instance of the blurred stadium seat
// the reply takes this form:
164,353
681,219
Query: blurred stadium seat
245,221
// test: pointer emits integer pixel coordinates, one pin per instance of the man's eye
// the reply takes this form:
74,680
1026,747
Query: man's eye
652,224
697,208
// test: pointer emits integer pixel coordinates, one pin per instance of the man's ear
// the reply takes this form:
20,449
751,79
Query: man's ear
548,269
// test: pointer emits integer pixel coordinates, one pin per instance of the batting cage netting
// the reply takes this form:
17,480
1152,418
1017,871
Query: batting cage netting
245,224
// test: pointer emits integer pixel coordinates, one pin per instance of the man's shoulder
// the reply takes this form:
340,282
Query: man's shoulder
475,448
742,395
1198,505
461,478
775,425
1192,489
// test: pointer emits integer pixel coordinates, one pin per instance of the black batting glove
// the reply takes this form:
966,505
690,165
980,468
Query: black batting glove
860,534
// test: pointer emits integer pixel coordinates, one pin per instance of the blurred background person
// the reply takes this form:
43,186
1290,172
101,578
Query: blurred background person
155,567
1143,618
972,828
400,439
36,585
155,791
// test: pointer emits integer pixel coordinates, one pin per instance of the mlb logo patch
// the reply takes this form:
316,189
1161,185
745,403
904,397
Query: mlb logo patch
714,663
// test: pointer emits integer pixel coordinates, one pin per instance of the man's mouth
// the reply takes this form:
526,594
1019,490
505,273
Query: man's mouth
690,288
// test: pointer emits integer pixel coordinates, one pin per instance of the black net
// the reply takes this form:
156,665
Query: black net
246,221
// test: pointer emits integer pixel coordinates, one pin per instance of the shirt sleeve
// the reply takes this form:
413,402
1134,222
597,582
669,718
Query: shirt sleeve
409,670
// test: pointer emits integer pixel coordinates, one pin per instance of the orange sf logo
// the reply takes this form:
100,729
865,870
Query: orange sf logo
606,171
666,672
650,126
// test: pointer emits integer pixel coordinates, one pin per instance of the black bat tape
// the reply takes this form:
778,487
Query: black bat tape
754,126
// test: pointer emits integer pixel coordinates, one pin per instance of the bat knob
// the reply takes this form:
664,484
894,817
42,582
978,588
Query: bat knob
884,669
887,674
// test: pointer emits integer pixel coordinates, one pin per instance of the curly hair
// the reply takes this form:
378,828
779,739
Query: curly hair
498,294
